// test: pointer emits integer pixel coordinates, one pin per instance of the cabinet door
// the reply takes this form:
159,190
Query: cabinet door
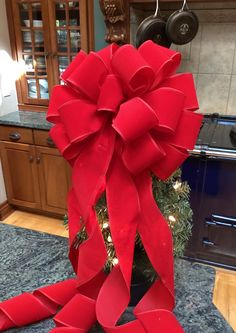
20,173
54,180
46,35
69,22
32,43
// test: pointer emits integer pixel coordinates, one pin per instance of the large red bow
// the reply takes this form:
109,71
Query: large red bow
121,114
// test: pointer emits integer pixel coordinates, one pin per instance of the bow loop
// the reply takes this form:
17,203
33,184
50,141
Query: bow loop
134,119
87,81
111,94
168,105
136,74
163,61
173,159
186,135
141,154
185,83
107,54
80,119
81,56
60,95
61,140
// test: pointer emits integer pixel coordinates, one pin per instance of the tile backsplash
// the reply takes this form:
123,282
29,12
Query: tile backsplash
211,56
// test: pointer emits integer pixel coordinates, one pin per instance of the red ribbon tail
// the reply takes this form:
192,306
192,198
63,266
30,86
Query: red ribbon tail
155,309
79,313
29,308
123,210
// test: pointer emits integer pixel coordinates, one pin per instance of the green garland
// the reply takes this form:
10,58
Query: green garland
172,197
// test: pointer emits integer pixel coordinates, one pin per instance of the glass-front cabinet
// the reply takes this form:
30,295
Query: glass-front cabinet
46,35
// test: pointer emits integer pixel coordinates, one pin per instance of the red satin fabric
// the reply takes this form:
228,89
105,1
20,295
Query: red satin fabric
122,114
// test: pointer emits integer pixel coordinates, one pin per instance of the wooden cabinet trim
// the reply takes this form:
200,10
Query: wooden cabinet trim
90,24
11,133
42,138
12,36
30,107
27,151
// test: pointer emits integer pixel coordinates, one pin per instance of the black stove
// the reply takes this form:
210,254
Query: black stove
211,173
206,132
223,137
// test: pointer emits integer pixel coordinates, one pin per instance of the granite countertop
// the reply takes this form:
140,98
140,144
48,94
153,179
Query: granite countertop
29,119
30,260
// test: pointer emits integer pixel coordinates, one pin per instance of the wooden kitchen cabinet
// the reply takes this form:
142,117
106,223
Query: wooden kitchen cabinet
54,179
45,37
20,174
36,175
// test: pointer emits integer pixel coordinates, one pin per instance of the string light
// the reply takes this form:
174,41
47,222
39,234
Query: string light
109,239
177,185
172,218
115,261
105,225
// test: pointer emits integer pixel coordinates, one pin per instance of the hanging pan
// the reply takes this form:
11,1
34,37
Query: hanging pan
182,25
153,28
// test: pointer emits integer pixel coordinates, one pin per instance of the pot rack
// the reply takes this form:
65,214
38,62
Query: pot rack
116,15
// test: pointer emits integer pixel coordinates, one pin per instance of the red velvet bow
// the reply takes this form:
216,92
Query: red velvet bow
122,114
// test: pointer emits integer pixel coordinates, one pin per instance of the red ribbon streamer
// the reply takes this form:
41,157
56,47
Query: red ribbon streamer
28,308
121,114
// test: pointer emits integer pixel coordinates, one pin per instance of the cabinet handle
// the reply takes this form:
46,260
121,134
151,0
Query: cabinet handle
31,158
221,221
38,159
50,142
207,242
14,136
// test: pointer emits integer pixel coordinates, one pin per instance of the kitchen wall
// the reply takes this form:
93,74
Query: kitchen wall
211,56
99,27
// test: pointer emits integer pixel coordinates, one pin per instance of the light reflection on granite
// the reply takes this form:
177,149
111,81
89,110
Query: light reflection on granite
30,259
27,119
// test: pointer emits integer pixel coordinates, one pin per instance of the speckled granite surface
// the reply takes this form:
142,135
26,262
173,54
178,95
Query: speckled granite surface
31,259
26,119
